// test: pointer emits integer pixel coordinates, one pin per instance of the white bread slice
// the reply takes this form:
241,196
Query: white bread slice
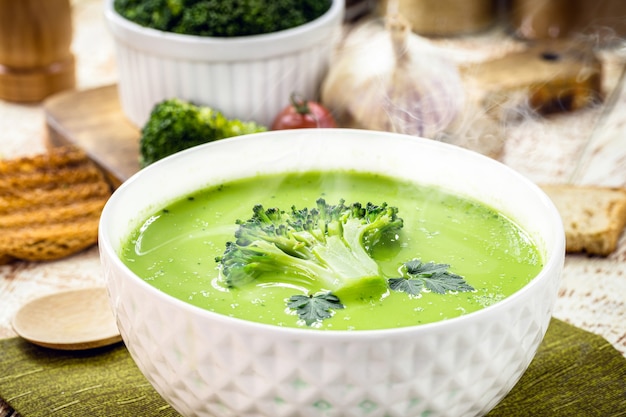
593,216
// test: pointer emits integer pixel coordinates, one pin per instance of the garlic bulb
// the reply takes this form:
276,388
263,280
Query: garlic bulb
384,77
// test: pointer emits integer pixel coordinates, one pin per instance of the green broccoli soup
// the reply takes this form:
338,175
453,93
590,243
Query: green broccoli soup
332,250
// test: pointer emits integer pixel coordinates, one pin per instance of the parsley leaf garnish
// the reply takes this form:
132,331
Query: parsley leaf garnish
417,276
314,308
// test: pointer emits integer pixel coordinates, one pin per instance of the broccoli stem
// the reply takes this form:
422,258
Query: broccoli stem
335,267
347,265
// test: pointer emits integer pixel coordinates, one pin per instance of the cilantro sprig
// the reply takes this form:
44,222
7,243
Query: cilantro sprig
314,308
418,276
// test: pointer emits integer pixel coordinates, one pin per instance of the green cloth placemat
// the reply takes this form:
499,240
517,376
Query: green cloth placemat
575,373
105,382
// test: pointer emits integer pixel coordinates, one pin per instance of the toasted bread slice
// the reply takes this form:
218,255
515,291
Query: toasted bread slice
50,205
593,217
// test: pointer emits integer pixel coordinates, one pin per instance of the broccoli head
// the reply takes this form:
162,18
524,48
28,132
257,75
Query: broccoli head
324,248
221,18
176,124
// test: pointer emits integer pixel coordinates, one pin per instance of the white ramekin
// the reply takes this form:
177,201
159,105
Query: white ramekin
248,77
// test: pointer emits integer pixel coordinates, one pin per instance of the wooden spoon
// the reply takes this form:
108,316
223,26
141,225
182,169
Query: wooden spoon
69,320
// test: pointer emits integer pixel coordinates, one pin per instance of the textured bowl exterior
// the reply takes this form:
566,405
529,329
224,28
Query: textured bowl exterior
206,364
249,78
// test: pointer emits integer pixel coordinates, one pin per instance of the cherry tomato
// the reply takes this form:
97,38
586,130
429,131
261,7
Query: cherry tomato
302,114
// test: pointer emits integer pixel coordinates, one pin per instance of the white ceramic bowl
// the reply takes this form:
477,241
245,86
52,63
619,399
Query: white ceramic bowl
248,77
206,364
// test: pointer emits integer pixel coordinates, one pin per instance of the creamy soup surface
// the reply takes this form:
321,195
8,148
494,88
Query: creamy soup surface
175,249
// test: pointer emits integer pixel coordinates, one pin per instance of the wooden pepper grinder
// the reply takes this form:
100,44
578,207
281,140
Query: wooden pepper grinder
35,56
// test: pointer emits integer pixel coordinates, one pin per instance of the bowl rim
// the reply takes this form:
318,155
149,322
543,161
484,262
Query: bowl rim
237,48
552,265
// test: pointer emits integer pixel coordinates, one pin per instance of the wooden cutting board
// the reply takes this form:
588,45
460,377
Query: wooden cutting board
93,120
